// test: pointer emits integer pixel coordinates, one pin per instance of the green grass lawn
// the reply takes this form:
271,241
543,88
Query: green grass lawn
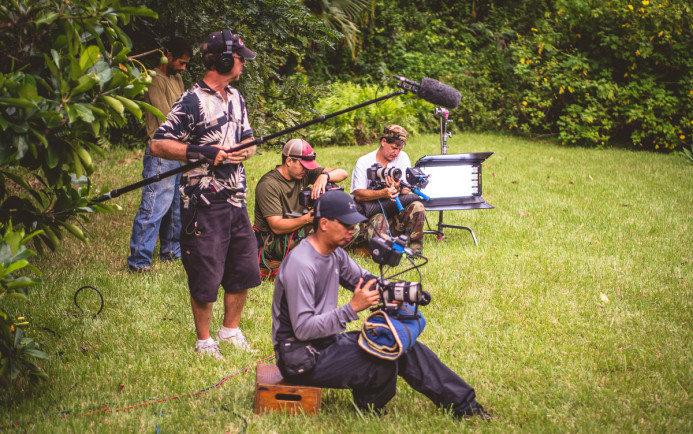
573,313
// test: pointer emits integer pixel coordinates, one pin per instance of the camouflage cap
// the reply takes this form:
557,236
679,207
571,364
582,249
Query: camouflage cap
396,134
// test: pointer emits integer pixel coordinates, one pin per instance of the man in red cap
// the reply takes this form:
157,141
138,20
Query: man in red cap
279,216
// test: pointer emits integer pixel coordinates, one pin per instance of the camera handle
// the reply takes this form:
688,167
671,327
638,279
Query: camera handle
184,168
415,190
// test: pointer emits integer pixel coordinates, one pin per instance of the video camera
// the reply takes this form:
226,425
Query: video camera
377,174
308,202
416,179
389,252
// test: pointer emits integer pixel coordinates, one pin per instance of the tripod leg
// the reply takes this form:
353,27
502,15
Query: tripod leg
441,235
441,225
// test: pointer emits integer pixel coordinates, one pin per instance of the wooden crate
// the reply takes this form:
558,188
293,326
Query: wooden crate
273,393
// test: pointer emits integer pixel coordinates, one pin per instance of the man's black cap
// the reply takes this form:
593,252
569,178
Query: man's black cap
336,204
217,43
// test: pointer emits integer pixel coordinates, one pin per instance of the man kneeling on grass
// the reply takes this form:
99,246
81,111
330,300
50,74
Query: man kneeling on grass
305,314
279,217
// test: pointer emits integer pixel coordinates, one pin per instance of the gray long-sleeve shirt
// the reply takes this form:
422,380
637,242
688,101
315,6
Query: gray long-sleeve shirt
306,291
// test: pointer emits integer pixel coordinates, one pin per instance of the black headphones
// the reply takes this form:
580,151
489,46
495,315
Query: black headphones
225,60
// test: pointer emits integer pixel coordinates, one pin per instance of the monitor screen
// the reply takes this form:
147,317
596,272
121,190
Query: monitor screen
451,181
454,180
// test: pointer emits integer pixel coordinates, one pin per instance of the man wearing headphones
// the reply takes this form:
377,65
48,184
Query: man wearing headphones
218,246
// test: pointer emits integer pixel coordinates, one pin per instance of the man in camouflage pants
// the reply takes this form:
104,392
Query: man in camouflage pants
378,204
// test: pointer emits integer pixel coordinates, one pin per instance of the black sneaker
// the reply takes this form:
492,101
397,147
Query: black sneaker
141,270
475,410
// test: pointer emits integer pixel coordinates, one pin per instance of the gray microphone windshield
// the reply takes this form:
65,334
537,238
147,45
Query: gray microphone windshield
438,93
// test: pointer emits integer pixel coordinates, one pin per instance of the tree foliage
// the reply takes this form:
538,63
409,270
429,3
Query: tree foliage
66,78
585,72
615,71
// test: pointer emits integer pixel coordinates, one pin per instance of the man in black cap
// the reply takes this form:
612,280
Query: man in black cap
306,321
218,246
279,216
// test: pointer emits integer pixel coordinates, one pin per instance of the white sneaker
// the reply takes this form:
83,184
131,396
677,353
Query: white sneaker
238,340
209,348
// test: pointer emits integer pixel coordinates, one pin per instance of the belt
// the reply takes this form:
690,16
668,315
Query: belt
216,196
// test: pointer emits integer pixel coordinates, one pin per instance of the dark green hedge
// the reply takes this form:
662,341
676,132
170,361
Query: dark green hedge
588,73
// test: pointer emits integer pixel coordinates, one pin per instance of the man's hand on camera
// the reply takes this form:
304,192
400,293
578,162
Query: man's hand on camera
319,186
308,218
389,192
365,296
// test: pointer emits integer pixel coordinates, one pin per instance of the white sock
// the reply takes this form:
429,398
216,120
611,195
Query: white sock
227,333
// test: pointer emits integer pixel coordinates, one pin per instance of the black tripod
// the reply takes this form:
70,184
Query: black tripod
442,115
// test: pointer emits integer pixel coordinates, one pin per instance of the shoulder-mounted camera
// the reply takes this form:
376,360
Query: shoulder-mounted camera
388,252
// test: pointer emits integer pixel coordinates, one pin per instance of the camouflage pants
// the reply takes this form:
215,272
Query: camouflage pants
275,246
409,221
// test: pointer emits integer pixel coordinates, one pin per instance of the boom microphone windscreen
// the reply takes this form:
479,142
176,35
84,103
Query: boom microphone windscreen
438,93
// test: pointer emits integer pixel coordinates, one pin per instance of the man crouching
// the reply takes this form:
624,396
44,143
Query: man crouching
279,216
307,324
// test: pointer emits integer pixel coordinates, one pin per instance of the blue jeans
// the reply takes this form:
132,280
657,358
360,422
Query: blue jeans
158,214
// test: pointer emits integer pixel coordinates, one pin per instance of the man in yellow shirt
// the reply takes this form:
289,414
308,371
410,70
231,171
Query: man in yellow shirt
159,211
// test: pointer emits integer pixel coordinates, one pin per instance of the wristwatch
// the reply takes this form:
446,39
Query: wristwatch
328,175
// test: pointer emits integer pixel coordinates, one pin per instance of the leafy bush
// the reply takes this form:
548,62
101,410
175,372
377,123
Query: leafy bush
618,72
17,351
65,79
364,125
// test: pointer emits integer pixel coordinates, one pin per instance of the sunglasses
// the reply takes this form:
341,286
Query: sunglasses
309,157
349,227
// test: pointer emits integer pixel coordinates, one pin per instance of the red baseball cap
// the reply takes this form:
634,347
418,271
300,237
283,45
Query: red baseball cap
302,151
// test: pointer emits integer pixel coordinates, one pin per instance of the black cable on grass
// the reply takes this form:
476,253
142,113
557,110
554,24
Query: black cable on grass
245,422
97,291
106,409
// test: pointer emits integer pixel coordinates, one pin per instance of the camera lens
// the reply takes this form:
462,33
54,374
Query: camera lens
392,172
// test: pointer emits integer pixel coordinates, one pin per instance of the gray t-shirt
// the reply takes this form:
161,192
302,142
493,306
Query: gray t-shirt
306,291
